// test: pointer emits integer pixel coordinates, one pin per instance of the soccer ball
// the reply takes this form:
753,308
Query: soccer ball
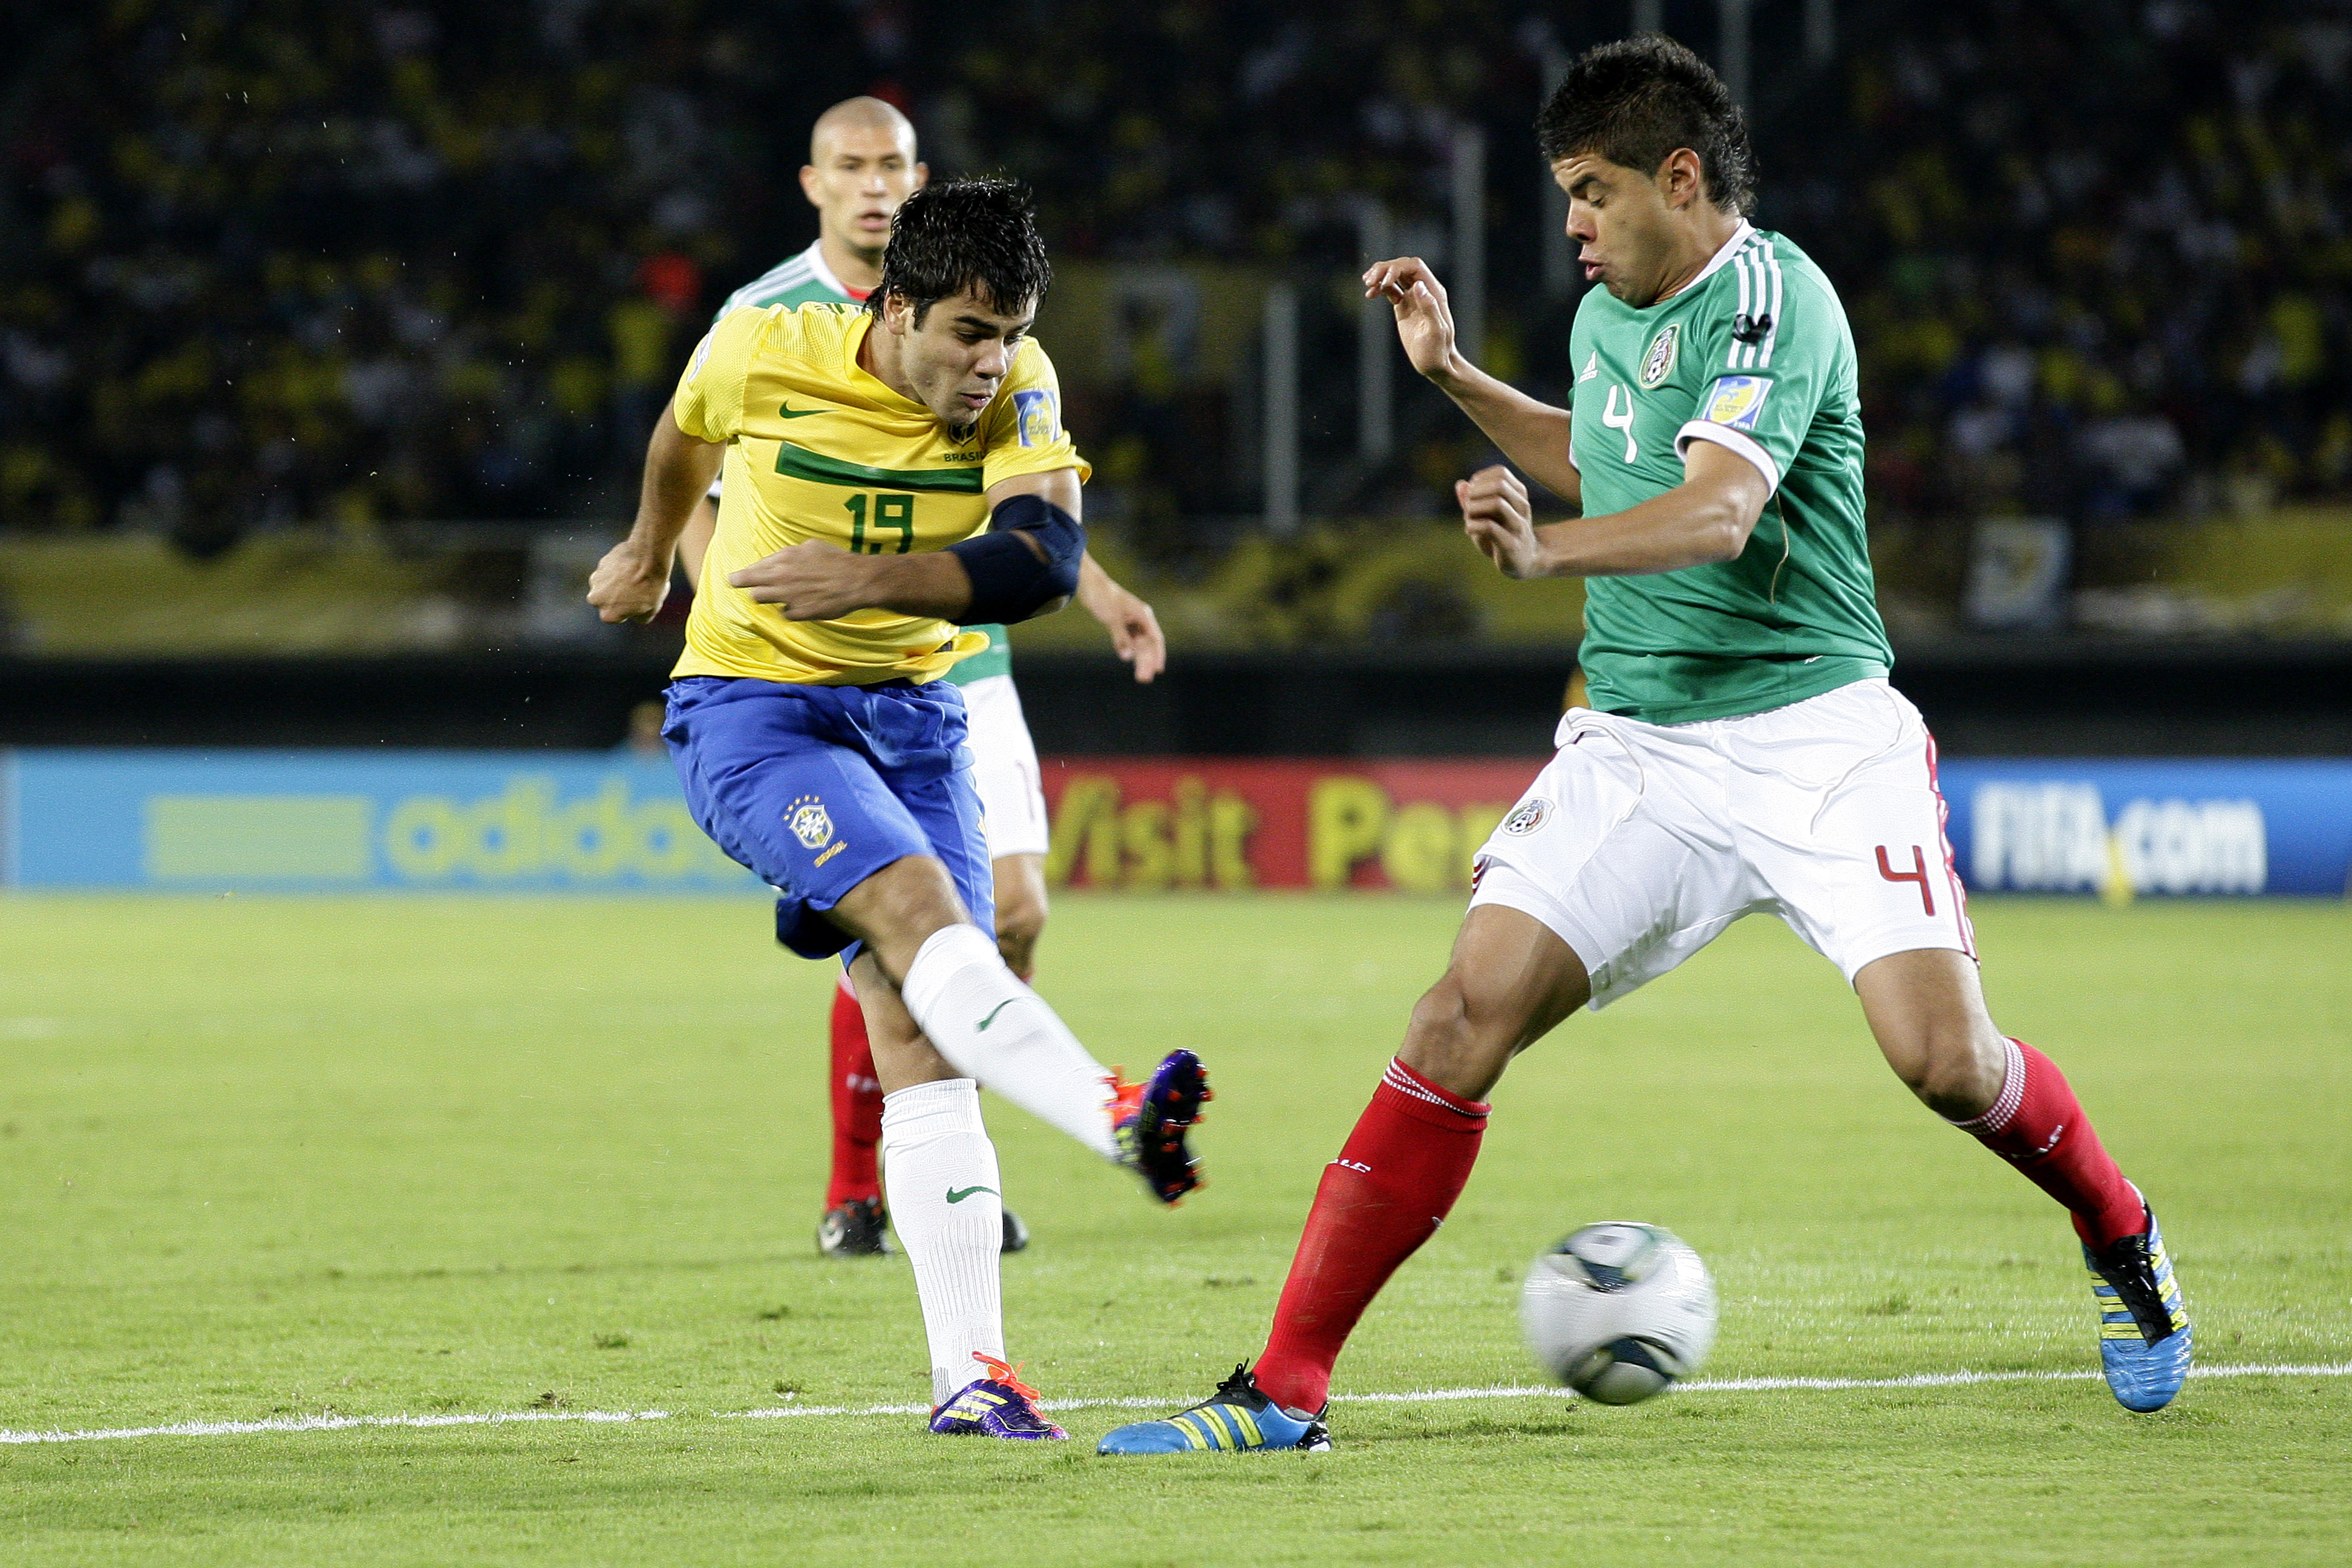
1619,1310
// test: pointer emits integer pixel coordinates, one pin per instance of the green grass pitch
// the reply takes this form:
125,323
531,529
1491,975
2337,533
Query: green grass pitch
281,1158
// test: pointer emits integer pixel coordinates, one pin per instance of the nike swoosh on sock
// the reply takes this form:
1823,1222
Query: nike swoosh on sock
958,1194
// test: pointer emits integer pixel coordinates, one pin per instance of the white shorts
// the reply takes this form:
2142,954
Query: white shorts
1004,769
1639,843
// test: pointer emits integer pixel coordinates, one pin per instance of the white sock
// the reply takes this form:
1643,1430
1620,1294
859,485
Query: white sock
990,1027
947,1207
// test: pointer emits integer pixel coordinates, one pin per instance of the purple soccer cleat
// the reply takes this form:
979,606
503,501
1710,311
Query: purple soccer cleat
1151,1119
997,1406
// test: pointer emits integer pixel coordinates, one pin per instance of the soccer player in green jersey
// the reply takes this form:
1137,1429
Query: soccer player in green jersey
862,167
1743,751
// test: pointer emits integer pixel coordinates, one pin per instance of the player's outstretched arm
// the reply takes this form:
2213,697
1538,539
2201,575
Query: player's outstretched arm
1706,519
1134,629
1533,434
633,579
815,581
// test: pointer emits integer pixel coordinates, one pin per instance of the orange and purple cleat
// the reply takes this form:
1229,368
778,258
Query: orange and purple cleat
1151,1119
997,1406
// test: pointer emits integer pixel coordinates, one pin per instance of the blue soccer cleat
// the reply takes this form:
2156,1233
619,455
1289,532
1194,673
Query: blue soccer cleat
2143,1335
997,1406
1151,1120
1237,1419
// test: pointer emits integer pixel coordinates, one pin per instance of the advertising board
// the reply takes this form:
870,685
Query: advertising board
589,822
2118,828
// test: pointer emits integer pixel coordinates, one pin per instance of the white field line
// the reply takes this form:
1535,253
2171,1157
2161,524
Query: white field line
1423,1396
328,1423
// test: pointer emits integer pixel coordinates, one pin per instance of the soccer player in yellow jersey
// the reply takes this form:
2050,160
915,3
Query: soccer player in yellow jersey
892,472
862,165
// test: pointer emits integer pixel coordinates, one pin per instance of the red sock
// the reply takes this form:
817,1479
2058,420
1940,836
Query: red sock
2038,1125
1386,1194
856,1107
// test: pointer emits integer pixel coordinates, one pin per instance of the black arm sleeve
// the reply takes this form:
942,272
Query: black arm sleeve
1009,581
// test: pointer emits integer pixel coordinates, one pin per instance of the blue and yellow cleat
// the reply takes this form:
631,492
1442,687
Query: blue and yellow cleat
1236,1419
997,1406
2144,1336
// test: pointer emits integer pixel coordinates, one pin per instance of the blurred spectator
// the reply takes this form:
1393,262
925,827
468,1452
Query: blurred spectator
284,264
2094,267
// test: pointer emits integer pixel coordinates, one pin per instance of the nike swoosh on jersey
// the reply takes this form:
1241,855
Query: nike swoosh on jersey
789,412
992,1011
958,1194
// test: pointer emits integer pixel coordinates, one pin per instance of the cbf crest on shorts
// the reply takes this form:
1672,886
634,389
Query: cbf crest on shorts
1032,416
1659,362
810,822
1526,817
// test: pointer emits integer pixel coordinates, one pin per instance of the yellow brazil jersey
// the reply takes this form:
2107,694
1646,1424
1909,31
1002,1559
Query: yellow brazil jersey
820,448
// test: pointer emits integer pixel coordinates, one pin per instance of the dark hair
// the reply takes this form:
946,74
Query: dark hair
1636,101
960,236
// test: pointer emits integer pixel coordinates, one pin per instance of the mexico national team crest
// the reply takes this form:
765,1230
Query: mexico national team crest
1659,362
1032,418
1526,817
810,822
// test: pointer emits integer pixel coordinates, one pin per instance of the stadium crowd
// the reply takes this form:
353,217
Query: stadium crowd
282,264
2096,258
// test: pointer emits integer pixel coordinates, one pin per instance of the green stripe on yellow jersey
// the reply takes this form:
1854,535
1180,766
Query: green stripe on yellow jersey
816,466
818,448
803,278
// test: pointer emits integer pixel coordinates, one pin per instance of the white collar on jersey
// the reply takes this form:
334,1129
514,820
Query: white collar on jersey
1740,237
815,253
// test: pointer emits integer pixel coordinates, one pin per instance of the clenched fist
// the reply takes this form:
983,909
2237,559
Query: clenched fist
628,584
1498,520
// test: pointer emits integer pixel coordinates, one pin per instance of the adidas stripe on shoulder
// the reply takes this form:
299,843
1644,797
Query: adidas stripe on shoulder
1757,327
795,272
771,286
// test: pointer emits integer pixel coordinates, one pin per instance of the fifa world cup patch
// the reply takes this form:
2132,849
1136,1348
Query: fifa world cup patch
1659,362
1526,817
810,822
1734,401
1034,417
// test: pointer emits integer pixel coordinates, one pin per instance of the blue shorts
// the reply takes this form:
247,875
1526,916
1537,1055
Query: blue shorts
815,788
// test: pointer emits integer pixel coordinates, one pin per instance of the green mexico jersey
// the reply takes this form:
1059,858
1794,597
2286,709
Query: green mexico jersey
1755,355
800,280
996,659
803,280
